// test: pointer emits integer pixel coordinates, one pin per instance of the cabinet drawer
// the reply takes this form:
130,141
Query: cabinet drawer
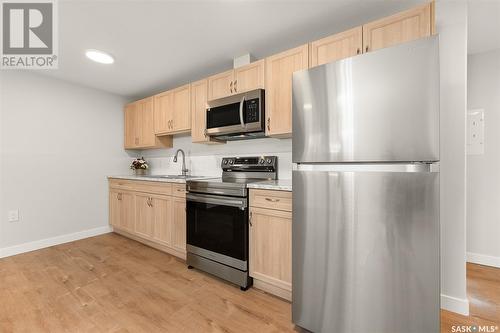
179,190
141,186
280,200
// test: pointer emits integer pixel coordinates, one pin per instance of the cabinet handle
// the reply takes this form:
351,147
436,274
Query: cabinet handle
268,124
235,85
358,51
150,202
119,196
231,87
250,219
272,200
366,48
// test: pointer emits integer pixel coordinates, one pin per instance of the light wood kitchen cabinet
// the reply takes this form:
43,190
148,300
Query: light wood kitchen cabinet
235,81
179,223
153,213
220,85
270,241
339,46
139,126
144,218
270,256
199,98
402,27
172,111
122,210
279,71
249,77
162,230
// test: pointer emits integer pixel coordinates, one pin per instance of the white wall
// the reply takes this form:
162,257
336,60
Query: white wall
205,160
59,142
483,171
451,24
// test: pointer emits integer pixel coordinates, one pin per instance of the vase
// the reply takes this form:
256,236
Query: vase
141,172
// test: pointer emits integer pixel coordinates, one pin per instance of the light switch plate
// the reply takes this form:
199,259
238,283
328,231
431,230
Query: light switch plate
475,132
13,215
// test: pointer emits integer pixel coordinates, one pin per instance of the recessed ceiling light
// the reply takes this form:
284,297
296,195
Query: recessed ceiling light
99,56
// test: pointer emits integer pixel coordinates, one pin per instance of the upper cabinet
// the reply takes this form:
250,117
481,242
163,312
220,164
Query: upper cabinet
402,27
249,77
279,70
339,46
220,85
199,97
172,111
234,81
139,126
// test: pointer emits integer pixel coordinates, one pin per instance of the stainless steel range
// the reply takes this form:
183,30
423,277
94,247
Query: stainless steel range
217,217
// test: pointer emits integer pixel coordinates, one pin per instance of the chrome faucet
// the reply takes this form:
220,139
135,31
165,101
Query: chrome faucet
184,170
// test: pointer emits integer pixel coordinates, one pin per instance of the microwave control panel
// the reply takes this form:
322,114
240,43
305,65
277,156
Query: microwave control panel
252,110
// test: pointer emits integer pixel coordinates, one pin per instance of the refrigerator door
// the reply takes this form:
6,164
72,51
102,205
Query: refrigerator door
366,248
379,106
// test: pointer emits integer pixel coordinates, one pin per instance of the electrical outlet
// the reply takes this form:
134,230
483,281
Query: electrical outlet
14,215
475,132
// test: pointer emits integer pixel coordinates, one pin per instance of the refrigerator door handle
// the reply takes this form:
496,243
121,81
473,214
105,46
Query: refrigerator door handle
369,167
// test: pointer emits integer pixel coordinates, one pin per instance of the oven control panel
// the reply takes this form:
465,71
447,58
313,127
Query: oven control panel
253,162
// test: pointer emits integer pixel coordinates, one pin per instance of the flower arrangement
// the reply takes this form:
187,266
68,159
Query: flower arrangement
139,165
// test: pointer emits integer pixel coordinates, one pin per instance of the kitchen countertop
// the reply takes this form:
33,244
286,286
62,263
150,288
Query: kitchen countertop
151,179
279,184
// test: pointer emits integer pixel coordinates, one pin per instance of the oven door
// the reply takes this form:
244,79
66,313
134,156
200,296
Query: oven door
217,228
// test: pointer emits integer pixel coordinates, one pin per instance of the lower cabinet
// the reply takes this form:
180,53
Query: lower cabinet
270,248
154,214
179,223
122,210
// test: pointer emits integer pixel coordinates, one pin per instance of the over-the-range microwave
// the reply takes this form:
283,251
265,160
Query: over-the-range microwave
237,117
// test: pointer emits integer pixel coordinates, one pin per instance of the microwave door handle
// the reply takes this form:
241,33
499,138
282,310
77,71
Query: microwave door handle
241,112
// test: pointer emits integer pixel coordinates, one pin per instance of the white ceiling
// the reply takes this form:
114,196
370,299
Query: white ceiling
162,44
483,25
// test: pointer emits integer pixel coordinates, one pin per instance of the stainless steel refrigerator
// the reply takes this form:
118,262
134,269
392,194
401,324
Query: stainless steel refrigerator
365,229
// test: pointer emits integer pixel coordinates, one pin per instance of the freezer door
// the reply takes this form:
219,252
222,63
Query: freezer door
366,249
379,106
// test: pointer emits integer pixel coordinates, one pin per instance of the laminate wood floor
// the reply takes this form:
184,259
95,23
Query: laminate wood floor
112,284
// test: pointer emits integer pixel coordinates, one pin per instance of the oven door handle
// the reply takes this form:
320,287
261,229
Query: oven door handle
241,111
217,200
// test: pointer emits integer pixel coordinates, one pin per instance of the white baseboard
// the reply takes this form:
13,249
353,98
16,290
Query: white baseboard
453,304
43,243
483,259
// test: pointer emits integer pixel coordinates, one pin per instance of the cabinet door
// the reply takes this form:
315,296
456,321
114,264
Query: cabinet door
343,45
144,218
127,211
131,135
163,105
147,136
199,94
279,71
271,246
181,112
114,208
220,85
249,77
162,229
399,28
179,223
